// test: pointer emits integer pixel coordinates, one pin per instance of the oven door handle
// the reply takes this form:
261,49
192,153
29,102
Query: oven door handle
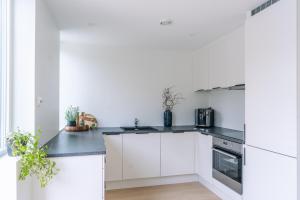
225,153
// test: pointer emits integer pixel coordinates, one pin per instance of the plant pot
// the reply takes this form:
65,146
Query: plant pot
71,123
9,150
167,118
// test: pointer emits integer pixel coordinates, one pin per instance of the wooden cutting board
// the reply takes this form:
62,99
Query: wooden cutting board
76,128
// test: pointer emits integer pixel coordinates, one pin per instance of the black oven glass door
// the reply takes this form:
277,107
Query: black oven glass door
228,164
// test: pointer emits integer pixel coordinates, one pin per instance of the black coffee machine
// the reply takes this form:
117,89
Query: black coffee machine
204,117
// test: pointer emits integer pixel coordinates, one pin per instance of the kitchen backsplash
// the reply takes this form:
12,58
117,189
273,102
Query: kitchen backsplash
229,108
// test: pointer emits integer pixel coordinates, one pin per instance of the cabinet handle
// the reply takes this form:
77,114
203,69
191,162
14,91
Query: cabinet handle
216,88
244,133
224,153
142,133
244,156
111,133
177,131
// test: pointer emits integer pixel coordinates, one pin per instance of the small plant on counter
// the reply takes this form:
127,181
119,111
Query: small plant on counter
33,159
71,115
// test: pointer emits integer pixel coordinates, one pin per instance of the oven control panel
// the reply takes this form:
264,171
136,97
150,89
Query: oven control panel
226,144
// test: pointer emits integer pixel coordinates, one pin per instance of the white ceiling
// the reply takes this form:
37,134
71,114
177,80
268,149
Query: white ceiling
135,23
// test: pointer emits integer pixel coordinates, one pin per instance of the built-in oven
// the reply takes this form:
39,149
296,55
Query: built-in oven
227,163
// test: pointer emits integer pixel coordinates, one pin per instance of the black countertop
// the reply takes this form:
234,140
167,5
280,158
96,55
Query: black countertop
224,133
92,142
76,144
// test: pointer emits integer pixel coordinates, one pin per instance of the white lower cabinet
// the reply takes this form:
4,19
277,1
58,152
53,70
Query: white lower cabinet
80,177
177,154
204,157
141,155
114,157
269,175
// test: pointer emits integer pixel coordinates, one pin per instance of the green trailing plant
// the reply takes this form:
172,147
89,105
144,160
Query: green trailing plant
71,113
33,159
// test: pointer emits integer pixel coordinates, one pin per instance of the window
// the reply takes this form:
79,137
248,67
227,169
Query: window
3,71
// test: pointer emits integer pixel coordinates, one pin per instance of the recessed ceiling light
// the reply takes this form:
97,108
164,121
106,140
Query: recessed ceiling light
166,22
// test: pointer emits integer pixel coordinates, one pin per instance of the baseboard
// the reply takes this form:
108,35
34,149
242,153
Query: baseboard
214,186
112,185
220,190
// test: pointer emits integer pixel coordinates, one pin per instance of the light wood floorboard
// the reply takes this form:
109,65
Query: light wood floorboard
185,191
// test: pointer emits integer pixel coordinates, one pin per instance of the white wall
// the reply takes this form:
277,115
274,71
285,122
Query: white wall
35,72
298,101
35,69
229,106
23,72
47,72
8,178
23,81
119,85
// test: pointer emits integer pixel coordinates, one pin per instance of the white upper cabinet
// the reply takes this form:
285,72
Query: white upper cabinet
201,69
220,63
141,155
271,79
114,157
268,175
177,153
204,157
226,58
236,57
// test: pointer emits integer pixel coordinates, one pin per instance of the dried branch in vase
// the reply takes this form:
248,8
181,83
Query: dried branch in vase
170,99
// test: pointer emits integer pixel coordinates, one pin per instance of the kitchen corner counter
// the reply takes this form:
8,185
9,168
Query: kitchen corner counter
76,144
92,142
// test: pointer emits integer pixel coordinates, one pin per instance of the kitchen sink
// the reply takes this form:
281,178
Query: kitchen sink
138,128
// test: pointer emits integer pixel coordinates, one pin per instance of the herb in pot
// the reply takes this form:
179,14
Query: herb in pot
71,115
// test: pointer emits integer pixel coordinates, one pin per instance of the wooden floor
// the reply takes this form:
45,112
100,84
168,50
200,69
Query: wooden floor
185,191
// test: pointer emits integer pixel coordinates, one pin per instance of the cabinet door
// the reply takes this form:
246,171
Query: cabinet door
177,153
141,155
218,64
271,79
204,157
80,177
236,57
269,175
227,56
113,166
201,69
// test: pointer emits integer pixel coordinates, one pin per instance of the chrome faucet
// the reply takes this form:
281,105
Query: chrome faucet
136,122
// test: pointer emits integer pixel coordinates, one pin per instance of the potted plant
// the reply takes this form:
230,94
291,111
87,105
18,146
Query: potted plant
170,99
71,115
33,159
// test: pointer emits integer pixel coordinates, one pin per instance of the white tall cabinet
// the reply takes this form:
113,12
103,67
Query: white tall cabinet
269,176
270,170
271,79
